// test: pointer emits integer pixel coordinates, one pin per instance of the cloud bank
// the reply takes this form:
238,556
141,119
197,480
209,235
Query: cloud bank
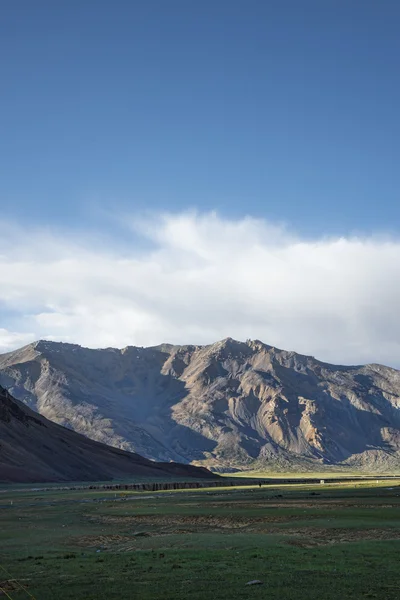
199,278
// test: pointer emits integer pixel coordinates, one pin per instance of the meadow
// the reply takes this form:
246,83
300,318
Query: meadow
332,541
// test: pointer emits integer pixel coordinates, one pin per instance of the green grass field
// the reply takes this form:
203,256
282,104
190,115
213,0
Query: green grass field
333,541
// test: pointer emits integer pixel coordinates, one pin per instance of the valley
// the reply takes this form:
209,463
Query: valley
299,541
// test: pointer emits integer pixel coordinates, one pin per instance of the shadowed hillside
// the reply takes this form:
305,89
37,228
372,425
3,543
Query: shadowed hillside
33,449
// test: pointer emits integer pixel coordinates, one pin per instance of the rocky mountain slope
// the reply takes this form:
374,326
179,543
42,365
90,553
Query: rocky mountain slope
227,405
33,449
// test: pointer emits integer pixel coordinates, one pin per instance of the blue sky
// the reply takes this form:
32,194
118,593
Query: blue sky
282,109
135,134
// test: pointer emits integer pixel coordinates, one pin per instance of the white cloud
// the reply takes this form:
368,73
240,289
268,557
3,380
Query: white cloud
10,339
205,278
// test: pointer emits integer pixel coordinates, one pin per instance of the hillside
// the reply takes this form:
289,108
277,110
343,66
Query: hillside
33,449
227,405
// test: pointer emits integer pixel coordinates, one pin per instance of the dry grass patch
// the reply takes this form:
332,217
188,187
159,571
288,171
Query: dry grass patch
308,537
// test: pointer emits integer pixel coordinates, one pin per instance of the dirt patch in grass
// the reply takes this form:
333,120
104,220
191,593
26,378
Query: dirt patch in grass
210,522
307,537
303,504
303,537
97,541
163,521
133,527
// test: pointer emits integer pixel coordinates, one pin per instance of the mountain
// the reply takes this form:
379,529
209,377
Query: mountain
227,405
33,449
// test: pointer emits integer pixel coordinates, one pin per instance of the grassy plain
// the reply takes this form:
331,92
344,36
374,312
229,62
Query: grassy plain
334,541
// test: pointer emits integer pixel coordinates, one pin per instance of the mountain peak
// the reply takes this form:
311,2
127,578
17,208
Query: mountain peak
228,347
227,342
52,346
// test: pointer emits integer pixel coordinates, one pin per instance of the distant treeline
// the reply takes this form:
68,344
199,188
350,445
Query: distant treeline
222,482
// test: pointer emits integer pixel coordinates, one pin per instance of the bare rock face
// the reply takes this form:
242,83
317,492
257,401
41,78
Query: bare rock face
228,405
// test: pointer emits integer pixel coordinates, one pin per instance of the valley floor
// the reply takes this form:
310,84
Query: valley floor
333,541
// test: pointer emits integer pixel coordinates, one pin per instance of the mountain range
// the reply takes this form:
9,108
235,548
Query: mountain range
229,405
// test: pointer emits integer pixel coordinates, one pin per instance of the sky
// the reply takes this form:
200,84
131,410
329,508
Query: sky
185,171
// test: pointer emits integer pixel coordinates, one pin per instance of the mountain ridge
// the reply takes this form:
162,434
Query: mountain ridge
226,405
